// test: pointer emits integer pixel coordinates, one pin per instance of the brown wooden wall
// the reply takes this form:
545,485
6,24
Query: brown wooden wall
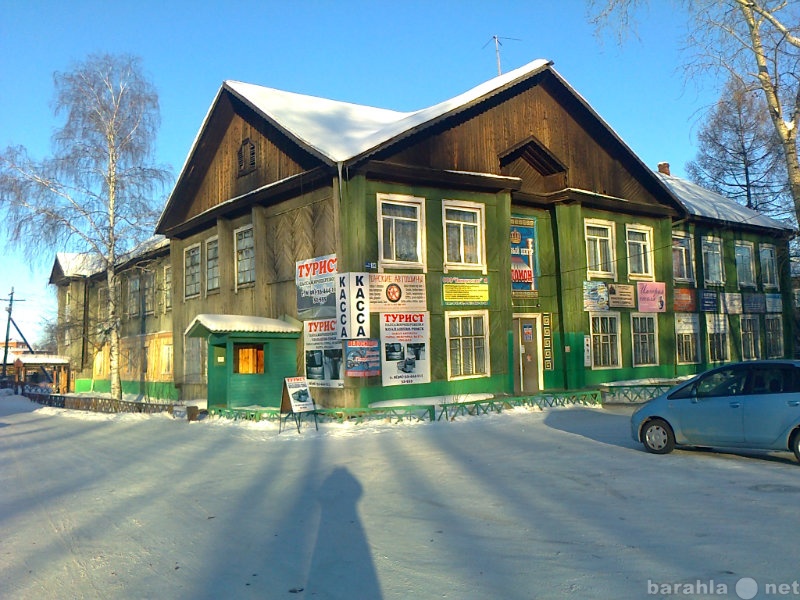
546,112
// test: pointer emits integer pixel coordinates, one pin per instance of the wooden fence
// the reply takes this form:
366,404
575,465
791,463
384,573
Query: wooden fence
98,404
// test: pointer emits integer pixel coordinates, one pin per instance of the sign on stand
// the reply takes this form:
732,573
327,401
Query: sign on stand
296,402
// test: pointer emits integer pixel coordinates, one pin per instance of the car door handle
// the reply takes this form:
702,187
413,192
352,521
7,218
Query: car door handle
793,403
736,404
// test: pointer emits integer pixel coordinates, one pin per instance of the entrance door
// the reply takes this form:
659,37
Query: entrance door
217,376
526,355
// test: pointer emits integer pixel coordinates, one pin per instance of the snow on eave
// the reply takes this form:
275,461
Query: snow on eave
700,202
211,323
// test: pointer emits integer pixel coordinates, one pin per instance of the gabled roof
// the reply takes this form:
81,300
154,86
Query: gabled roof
205,324
700,202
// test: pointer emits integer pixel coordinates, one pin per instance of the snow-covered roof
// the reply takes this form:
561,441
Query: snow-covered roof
205,324
701,202
340,131
36,359
77,264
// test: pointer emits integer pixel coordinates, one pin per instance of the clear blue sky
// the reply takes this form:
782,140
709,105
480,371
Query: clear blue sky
396,54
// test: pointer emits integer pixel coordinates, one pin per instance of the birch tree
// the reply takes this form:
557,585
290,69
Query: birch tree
97,192
756,41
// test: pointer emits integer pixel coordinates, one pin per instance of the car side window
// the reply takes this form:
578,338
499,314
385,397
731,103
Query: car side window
724,382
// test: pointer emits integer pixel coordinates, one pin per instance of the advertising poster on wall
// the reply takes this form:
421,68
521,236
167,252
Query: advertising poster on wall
754,303
652,296
363,358
774,303
685,300
524,258
352,305
389,292
595,296
465,291
709,300
323,353
621,296
316,287
731,303
406,345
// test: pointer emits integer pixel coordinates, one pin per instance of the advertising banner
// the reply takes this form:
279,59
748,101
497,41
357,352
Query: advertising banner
394,292
709,301
352,305
731,303
595,296
685,300
323,353
363,358
299,395
621,296
774,303
652,296
524,267
406,344
316,287
465,291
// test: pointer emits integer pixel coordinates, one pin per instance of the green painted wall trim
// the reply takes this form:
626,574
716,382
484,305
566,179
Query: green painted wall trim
162,390
482,385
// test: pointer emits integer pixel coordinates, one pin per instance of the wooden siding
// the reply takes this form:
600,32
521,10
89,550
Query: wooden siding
546,112
221,180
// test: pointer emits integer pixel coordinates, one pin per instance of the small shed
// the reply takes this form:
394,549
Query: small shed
248,358
46,370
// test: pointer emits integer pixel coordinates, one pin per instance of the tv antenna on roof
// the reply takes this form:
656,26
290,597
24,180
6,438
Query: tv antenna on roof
497,44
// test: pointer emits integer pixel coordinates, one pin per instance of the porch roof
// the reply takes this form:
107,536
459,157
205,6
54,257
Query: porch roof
206,324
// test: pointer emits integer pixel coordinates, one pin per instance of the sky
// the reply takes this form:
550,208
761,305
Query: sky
559,503
397,55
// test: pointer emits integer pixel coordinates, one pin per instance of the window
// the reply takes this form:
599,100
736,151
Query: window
245,256
401,226
725,382
248,358
166,359
682,258
713,273
133,295
751,339
717,326
687,338
195,353
773,325
468,344
600,257
149,295
102,304
246,157
191,270
644,332
745,269
463,234
640,251
769,270
212,264
605,340
167,288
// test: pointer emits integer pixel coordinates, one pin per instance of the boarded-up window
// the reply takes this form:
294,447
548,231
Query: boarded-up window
248,358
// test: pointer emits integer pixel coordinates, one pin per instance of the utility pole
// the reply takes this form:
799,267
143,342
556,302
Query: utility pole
8,328
497,44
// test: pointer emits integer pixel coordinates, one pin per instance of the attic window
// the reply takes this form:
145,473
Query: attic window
246,157
536,155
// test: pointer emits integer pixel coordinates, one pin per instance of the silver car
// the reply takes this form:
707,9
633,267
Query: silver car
744,405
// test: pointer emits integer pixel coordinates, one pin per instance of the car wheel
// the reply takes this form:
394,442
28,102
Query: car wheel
657,437
795,444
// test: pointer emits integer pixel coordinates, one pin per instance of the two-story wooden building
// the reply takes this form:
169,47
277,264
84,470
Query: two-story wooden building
503,241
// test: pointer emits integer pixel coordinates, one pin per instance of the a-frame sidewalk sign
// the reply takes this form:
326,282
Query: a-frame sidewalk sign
296,402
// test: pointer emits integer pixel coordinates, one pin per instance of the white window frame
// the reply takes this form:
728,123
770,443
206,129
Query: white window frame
708,239
774,336
717,324
769,267
134,295
199,283
611,227
686,247
167,288
615,345
236,260
480,211
484,315
209,278
650,338
751,337
687,324
419,205
750,265
647,254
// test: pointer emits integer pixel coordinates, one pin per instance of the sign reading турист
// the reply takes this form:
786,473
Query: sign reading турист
406,340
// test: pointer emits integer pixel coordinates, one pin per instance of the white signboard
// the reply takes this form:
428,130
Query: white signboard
316,287
405,352
352,305
390,292
299,395
323,354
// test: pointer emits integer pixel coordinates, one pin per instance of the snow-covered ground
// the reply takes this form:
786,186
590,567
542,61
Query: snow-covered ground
523,504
